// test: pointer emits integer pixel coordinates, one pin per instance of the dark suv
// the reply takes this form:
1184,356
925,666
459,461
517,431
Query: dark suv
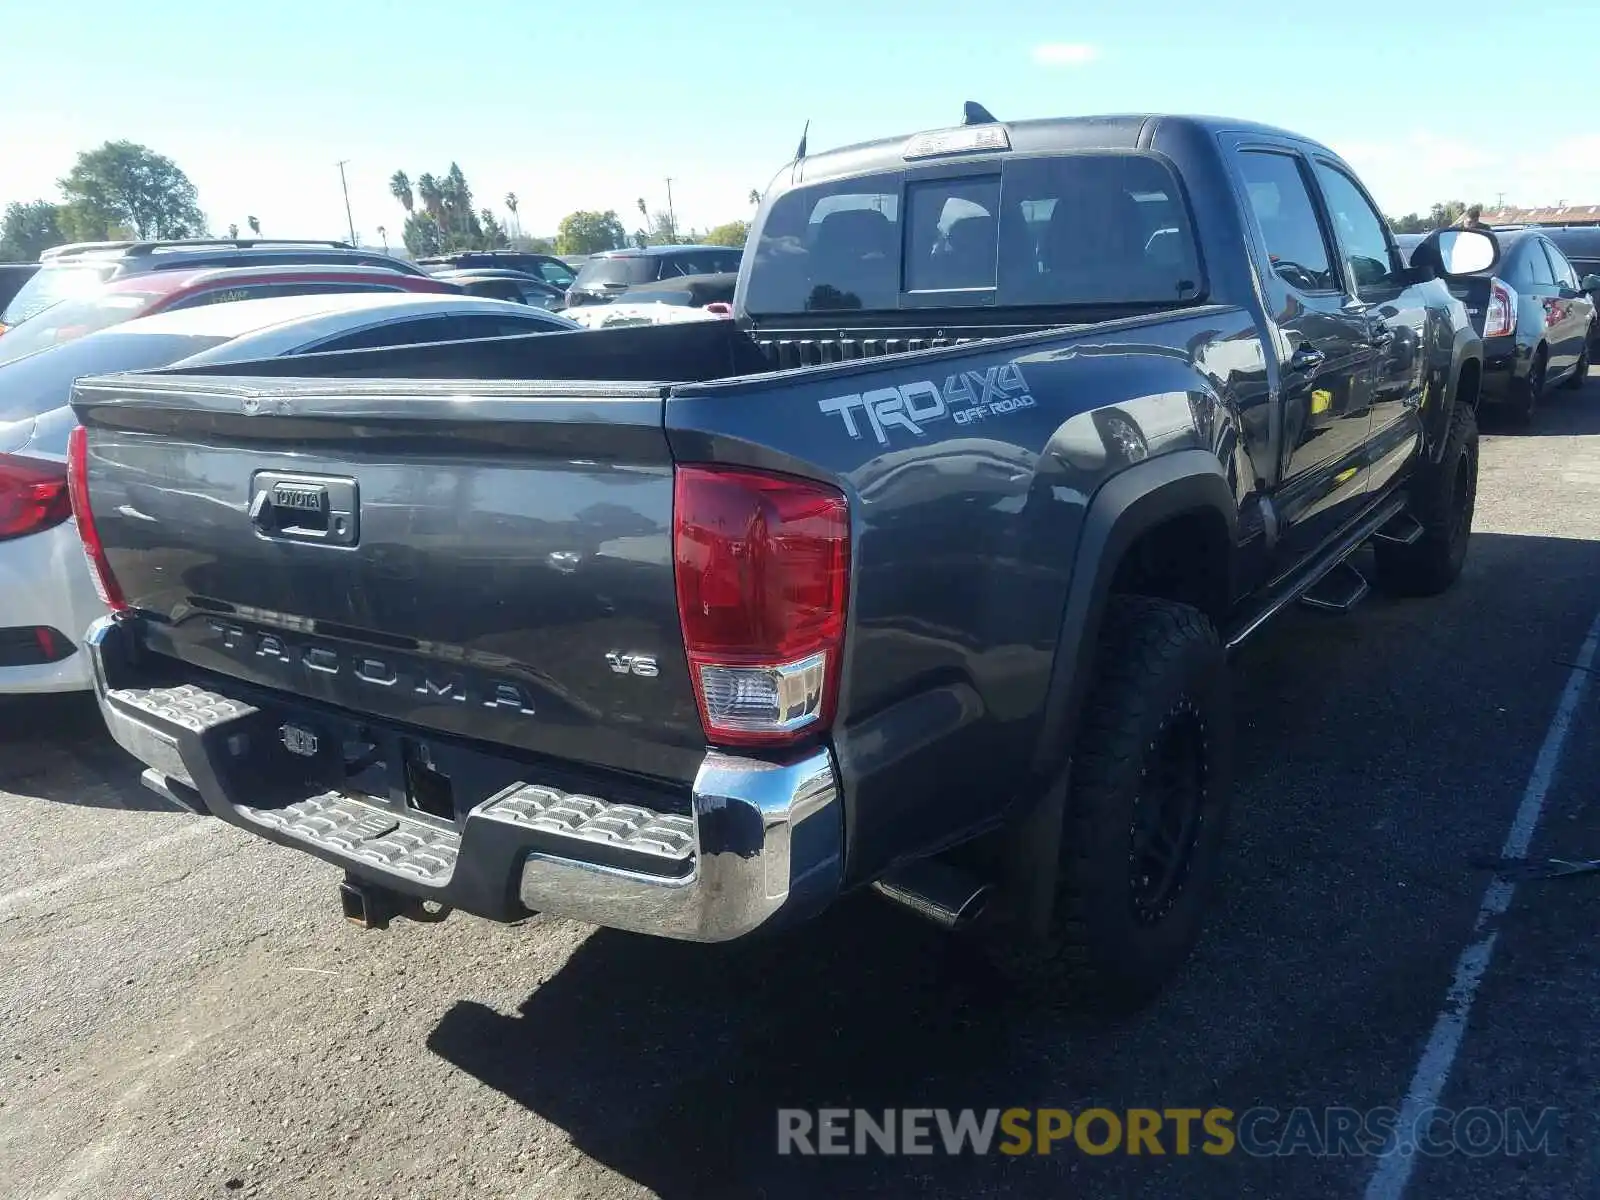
608,274
68,272
541,266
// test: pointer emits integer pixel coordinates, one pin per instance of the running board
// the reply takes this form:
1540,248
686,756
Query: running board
1288,591
1340,590
1404,530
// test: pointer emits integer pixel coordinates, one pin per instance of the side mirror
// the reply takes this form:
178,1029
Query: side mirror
1455,252
1589,283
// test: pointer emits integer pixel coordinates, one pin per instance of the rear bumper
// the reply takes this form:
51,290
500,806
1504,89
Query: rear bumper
1505,367
761,843
45,581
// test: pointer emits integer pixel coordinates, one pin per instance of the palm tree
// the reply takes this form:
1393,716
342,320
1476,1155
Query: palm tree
255,225
755,195
384,234
432,198
511,205
644,211
400,189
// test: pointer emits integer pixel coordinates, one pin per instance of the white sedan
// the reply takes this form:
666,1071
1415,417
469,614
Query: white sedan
47,599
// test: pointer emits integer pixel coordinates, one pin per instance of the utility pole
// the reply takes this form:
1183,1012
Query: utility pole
672,217
1499,199
346,187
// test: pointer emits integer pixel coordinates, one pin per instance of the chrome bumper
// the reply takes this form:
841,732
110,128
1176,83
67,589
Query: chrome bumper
762,839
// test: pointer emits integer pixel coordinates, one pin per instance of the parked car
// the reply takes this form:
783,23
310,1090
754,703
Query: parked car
47,599
692,291
69,272
1581,245
1537,324
12,277
922,575
516,286
541,266
606,275
625,312
145,295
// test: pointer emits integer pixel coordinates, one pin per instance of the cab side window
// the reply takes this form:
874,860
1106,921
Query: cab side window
1281,203
1361,233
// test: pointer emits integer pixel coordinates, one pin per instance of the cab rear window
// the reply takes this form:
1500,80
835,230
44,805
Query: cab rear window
1080,229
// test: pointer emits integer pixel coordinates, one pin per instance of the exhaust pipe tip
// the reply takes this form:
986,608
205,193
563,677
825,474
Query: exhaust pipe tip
948,896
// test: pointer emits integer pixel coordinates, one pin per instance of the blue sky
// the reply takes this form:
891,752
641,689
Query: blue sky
592,105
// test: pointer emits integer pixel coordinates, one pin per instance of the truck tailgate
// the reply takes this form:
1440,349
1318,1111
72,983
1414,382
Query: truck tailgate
484,559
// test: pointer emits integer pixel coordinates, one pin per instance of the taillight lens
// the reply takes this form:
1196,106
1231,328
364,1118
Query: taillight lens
763,573
33,495
1500,318
78,485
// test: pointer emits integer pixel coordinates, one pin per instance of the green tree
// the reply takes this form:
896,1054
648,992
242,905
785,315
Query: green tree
494,233
755,196
589,232
28,229
533,245
233,231
511,207
422,235
734,233
122,183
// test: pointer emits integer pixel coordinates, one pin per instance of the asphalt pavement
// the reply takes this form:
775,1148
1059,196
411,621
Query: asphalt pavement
183,1012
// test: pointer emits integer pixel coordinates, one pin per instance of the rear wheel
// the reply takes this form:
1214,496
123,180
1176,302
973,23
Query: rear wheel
1581,371
1142,839
1443,497
1526,392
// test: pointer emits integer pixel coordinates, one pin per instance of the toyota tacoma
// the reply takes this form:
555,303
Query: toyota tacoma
920,575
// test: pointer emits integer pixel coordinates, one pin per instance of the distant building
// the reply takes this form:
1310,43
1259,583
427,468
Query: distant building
1571,214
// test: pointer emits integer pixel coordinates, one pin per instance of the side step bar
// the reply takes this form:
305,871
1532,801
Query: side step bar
1340,590
1288,591
1404,530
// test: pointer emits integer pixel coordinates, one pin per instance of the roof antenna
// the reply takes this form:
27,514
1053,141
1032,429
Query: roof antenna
973,113
800,150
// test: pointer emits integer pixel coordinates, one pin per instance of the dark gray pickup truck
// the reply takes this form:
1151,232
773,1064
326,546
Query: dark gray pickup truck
919,574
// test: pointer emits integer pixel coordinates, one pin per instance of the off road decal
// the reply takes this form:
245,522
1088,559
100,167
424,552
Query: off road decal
966,398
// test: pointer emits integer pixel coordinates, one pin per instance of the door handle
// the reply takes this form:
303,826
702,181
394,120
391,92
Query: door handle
1307,358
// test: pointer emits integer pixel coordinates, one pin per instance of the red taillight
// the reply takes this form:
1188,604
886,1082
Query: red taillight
1500,318
33,495
78,485
763,572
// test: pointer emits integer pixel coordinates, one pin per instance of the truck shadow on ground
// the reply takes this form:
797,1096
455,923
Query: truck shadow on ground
56,748
1380,754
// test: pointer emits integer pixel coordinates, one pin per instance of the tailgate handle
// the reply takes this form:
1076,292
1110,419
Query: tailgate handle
306,508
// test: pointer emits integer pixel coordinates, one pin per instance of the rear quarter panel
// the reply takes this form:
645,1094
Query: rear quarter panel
969,472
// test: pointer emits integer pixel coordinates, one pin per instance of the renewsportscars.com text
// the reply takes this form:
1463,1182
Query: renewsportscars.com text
1215,1131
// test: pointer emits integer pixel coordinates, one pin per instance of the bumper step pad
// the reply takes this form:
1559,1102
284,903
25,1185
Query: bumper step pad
186,706
376,836
666,837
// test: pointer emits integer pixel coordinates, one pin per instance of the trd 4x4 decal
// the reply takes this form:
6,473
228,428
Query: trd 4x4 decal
965,398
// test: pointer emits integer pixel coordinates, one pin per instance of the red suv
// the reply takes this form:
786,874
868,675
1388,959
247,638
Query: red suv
163,291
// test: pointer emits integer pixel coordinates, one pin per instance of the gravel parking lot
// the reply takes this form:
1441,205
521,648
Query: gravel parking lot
184,1013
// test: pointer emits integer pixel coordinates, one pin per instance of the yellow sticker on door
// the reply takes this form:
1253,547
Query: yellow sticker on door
1321,401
